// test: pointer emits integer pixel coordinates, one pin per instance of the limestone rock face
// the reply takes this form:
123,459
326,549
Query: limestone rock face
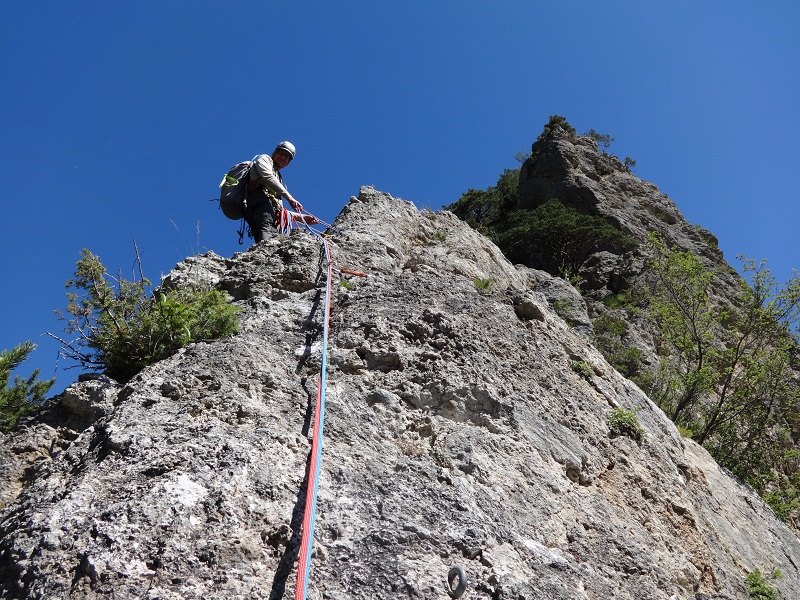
466,424
572,169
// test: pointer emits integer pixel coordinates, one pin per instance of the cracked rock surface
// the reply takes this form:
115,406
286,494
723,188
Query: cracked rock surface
458,432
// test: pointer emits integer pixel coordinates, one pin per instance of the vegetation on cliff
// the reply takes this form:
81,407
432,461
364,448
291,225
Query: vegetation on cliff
725,370
120,328
728,375
559,236
25,394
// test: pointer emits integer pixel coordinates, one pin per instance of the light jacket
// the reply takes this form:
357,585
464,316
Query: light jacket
269,180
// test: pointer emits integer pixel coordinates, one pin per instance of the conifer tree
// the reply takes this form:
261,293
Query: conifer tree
20,398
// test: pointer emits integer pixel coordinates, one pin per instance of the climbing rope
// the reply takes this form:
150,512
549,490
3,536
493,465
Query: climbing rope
309,516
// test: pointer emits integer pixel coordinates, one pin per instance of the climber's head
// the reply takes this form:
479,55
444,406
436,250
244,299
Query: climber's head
283,154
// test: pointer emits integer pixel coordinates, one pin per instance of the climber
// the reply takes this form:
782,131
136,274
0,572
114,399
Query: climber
266,191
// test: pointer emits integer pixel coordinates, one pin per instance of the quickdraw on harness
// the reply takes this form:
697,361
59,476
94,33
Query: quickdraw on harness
284,222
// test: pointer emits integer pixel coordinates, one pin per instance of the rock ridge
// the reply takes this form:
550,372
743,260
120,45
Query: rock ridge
466,423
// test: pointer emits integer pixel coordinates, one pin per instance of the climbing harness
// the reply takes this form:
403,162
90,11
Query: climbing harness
284,223
309,515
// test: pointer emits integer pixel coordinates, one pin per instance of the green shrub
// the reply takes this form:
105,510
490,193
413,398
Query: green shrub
624,422
758,588
608,338
121,329
610,325
554,122
439,236
627,360
488,210
25,394
603,139
561,236
582,368
623,299
562,307
484,286
783,496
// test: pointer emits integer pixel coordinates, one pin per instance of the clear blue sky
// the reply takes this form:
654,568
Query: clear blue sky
119,118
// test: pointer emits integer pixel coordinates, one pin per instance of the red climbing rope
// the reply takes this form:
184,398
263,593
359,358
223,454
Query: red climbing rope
309,516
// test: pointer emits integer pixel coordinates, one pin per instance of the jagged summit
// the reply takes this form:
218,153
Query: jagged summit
466,423
573,169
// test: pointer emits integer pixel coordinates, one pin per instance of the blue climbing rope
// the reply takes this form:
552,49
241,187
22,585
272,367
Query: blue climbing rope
309,516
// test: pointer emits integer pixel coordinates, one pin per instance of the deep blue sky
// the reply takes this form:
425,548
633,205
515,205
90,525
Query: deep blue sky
119,119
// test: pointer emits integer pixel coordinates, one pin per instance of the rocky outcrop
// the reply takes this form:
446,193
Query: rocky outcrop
466,424
572,169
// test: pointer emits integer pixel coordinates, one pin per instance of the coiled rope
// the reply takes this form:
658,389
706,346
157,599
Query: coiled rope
310,513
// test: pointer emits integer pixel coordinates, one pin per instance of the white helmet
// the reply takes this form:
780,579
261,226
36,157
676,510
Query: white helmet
286,147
